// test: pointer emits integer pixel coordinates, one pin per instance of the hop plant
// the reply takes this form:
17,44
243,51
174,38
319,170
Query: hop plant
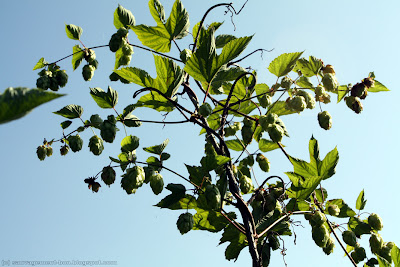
375,221
349,238
325,120
108,175
213,197
156,183
185,222
41,152
75,142
96,145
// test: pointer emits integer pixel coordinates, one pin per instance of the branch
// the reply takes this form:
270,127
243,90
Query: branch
287,215
262,185
255,51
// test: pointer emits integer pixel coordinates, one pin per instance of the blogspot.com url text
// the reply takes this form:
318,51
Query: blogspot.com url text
57,263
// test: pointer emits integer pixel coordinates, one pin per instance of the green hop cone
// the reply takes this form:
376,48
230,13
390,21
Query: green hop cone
330,82
115,42
246,184
90,55
41,152
333,210
125,60
375,221
133,179
358,254
263,162
75,142
64,150
96,145
264,100
286,82
54,84
318,218
296,103
185,55
329,246
310,101
122,32
185,222
349,237
213,197
368,82
375,243
94,63
95,187
247,134
372,262
328,69
354,103
108,130
88,72
325,120
49,151
127,50
156,183
232,129
276,133
205,110
43,82
61,77
358,90
108,175
320,235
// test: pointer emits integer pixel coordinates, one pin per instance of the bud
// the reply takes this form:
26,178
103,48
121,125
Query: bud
325,120
185,223
88,72
75,142
276,133
96,145
49,151
246,184
330,82
262,162
328,69
375,242
320,235
333,210
64,150
205,110
359,89
286,82
41,152
375,221
213,197
368,82
156,183
349,238
108,175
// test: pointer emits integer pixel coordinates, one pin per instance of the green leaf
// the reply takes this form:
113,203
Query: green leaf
342,92
70,111
395,252
178,22
284,63
156,38
198,175
237,242
103,99
118,59
41,64
328,165
359,227
383,262
360,204
177,193
157,149
65,124
345,210
129,120
267,145
165,156
160,37
304,82
73,32
209,220
136,75
155,101
17,102
123,18
223,39
279,108
233,49
77,56
157,11
378,87
235,145
307,176
309,67
129,143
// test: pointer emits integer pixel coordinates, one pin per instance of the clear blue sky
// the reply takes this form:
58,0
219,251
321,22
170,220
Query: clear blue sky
47,212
